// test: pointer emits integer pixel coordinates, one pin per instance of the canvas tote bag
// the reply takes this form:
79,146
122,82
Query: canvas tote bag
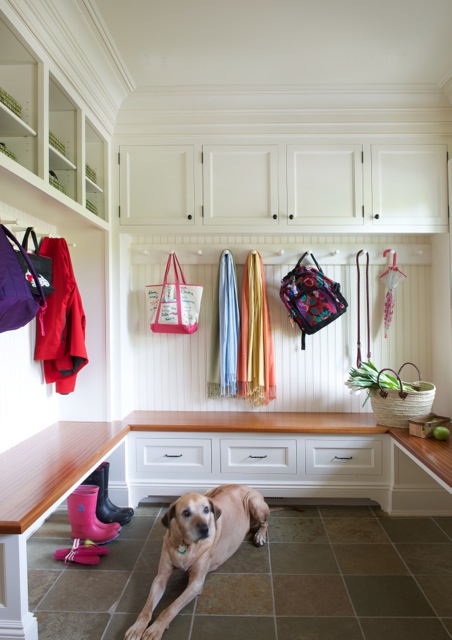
173,307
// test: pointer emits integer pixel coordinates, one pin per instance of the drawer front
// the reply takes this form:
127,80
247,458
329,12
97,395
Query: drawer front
258,456
344,457
157,456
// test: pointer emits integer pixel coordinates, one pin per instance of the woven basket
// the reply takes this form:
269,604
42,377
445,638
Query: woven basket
10,102
57,143
395,408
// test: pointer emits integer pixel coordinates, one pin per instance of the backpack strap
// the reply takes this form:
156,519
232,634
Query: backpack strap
308,253
358,354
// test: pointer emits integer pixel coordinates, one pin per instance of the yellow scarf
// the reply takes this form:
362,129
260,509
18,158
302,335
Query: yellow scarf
255,372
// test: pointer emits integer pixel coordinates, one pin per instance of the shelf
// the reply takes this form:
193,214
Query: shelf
25,191
58,161
11,126
92,187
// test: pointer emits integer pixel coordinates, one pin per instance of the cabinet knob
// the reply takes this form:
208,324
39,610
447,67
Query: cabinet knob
377,216
291,217
275,217
189,216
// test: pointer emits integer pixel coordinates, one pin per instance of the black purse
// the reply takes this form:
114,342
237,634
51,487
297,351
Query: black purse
41,264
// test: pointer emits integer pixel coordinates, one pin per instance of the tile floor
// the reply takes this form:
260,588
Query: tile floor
328,573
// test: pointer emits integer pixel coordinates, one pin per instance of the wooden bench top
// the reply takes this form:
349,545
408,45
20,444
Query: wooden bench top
37,473
234,422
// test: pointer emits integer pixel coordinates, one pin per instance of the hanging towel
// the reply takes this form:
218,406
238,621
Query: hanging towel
222,380
256,372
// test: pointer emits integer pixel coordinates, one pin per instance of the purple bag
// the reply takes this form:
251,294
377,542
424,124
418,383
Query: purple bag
18,306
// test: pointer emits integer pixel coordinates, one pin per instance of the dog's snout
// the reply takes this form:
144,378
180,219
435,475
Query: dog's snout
203,530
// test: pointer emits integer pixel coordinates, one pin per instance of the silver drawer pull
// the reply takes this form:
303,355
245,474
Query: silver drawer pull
258,457
176,455
338,458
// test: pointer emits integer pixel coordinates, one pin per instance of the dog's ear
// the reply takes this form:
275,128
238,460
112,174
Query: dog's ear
215,510
169,515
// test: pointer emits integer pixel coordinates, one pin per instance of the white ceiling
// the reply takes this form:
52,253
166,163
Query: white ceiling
299,43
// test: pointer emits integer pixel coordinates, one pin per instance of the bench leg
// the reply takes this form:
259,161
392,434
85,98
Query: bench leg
16,621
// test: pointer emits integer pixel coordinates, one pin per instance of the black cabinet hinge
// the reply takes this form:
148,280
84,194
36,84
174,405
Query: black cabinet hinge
119,158
362,210
362,157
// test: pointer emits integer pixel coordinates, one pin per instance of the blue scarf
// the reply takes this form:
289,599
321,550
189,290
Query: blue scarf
225,332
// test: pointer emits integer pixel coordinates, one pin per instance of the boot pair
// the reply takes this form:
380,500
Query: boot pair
85,552
106,511
81,508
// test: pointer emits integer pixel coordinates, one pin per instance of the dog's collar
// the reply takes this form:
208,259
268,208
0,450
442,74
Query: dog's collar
182,548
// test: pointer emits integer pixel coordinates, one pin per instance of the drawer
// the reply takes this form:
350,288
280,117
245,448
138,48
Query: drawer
258,456
174,455
344,457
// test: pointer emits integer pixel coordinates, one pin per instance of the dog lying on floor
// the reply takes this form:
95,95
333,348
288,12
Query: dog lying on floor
203,532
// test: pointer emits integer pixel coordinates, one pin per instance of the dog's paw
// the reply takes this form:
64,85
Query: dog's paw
260,538
135,632
154,632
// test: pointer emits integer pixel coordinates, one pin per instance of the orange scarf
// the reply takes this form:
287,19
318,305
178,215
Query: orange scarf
255,370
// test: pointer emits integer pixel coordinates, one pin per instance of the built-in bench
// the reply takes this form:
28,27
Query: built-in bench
38,474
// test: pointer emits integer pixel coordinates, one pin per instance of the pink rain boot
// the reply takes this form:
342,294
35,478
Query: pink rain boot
90,488
81,506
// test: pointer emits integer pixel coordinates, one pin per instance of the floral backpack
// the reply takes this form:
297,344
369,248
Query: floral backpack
312,299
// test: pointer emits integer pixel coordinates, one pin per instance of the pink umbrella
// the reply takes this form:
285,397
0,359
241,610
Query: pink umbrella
391,277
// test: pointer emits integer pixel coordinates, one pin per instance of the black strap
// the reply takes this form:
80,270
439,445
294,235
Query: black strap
308,253
358,354
30,231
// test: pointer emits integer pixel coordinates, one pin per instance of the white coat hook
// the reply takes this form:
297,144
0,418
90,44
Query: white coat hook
199,252
6,222
253,251
281,252
335,252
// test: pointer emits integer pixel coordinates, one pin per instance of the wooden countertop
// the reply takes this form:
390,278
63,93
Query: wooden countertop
234,422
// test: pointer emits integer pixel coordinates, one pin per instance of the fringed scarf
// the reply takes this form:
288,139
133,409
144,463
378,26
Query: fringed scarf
224,340
256,380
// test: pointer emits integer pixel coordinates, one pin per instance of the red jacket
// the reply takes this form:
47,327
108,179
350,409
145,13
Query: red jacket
62,348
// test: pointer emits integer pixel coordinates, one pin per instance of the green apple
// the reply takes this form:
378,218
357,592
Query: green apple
441,433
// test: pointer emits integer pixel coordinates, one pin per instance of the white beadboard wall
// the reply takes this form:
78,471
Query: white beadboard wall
170,371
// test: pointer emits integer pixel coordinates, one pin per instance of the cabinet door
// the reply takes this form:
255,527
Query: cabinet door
325,185
157,185
241,185
409,185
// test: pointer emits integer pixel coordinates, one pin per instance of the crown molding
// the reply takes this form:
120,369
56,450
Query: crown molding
283,97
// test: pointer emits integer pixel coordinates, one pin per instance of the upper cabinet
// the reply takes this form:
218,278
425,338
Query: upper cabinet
278,187
95,171
409,185
53,161
63,143
325,185
241,186
19,112
157,185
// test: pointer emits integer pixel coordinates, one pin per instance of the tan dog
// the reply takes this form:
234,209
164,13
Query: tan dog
203,532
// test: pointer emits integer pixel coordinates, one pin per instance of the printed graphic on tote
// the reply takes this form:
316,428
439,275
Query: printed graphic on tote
190,304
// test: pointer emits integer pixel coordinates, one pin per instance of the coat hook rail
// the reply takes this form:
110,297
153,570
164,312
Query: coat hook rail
287,254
